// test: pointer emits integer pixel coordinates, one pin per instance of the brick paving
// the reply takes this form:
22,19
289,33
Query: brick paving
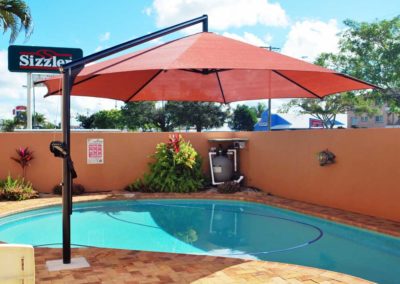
126,266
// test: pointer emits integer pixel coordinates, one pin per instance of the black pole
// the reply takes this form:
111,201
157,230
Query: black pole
70,71
66,192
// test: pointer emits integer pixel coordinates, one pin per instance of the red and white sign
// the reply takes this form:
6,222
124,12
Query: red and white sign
316,123
40,59
95,151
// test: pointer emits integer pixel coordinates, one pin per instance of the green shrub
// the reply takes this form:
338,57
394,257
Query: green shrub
77,189
16,189
177,168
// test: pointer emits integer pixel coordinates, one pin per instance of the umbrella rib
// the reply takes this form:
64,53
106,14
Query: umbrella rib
220,87
144,85
357,80
297,84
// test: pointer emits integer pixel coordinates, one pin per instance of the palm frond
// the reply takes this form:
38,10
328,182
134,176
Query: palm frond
15,16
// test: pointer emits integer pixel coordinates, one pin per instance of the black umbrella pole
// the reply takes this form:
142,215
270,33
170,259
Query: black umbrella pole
66,192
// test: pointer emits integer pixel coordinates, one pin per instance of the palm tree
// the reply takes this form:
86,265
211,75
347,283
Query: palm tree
15,16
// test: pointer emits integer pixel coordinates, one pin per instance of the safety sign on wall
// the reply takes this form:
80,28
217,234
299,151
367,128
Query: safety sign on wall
95,151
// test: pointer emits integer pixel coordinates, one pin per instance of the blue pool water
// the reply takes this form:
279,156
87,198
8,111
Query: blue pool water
225,228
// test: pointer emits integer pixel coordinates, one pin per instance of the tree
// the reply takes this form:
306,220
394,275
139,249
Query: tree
108,119
259,109
104,119
8,125
243,118
368,51
201,115
326,110
15,16
85,121
162,118
40,121
136,115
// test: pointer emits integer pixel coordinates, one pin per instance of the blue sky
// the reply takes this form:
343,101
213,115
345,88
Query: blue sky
301,29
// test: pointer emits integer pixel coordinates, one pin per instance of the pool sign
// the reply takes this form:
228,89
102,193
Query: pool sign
40,59
95,151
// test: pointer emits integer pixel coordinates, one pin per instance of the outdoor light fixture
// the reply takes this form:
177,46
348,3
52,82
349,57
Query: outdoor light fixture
59,150
326,157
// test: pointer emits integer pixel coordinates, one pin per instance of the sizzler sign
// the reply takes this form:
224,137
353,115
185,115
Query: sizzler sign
40,59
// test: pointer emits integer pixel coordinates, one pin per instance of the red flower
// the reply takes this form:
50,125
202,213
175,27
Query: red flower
174,141
24,157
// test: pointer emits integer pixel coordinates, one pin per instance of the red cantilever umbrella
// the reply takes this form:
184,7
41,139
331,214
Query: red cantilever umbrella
206,67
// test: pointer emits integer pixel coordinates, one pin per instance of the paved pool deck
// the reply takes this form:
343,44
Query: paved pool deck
127,266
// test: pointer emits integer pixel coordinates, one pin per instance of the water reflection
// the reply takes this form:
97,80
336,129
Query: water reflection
223,229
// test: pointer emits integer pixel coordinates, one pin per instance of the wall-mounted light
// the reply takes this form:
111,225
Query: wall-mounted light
326,157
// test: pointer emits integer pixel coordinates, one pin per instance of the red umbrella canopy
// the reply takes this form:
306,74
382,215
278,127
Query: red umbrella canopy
206,67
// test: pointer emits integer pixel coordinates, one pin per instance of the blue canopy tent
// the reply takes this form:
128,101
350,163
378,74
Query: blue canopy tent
277,122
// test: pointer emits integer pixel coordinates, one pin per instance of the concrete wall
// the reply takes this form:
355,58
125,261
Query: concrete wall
126,157
365,179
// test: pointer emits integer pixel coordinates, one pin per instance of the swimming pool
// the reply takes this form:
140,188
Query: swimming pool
224,228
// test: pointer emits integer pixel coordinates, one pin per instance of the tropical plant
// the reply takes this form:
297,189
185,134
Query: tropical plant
177,168
7,125
259,109
15,16
25,156
16,189
39,120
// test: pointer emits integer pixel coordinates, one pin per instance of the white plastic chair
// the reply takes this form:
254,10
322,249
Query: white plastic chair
17,264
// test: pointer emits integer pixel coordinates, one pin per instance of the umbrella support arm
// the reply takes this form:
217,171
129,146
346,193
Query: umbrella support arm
137,41
70,71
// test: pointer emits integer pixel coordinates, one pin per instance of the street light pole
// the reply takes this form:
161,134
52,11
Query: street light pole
29,101
270,48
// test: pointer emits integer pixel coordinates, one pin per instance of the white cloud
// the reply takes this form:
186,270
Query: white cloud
147,11
105,37
12,92
250,38
307,39
223,14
